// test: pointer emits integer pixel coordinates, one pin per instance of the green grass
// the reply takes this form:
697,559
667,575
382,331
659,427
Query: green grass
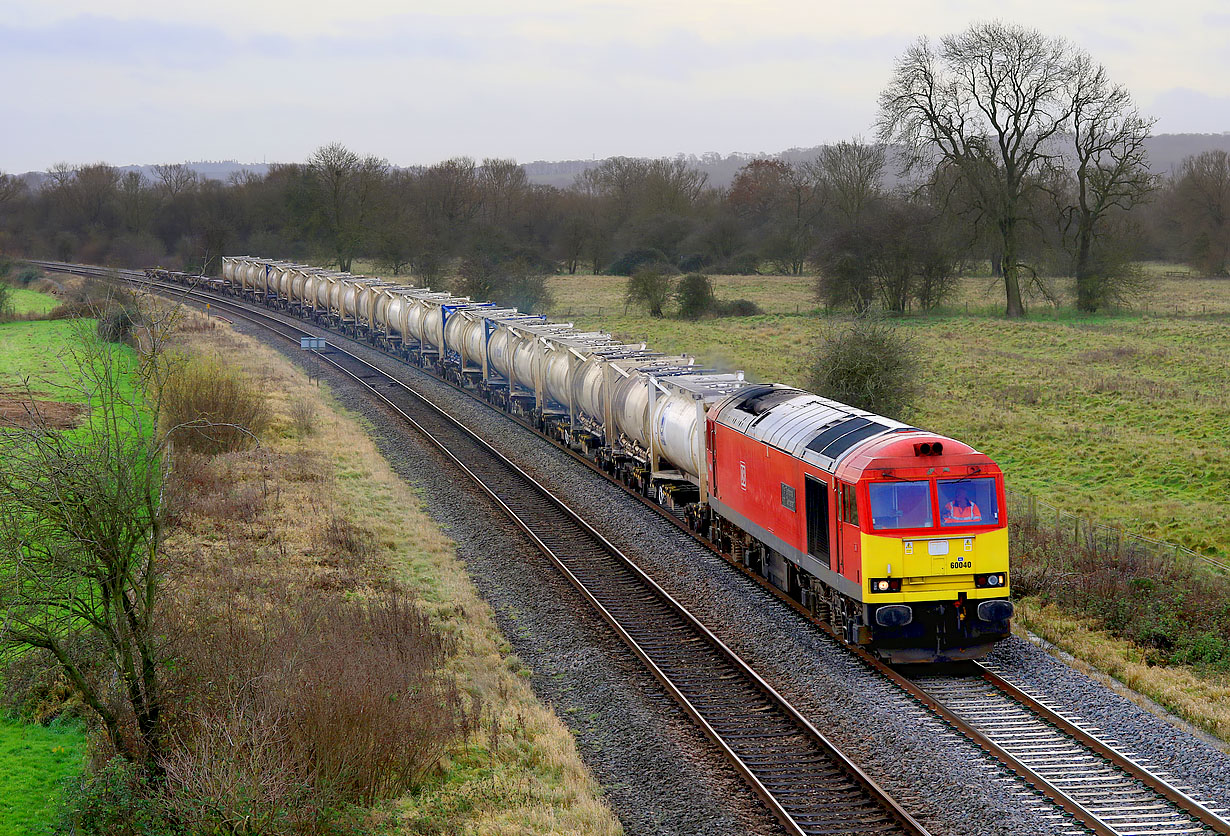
40,351
1119,417
34,758
33,762
32,302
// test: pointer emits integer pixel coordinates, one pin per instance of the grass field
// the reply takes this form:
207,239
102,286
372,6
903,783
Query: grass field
1120,417
33,761
32,302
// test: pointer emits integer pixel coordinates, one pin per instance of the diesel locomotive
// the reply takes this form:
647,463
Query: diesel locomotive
893,535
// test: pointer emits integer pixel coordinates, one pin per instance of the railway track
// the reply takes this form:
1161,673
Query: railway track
806,782
1103,789
1101,786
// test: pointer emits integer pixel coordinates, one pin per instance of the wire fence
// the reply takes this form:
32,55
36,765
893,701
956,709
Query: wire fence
1105,538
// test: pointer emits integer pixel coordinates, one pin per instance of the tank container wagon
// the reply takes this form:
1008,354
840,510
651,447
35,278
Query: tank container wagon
894,535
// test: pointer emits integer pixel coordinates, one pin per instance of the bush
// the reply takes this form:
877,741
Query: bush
695,294
628,263
327,702
216,407
867,363
27,276
117,800
738,307
302,417
651,288
746,263
116,325
1178,612
6,302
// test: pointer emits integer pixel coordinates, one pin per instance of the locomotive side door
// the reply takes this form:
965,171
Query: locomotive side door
816,499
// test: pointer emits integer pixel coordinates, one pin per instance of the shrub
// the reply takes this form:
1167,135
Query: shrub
1178,612
328,701
650,288
867,363
215,407
628,263
738,307
6,266
746,263
302,416
117,800
27,276
116,325
695,294
6,302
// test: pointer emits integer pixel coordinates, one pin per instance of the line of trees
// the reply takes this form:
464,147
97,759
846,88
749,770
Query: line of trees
1017,150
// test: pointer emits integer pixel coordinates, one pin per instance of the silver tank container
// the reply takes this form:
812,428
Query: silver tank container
679,432
630,405
464,333
337,285
589,387
525,355
500,350
348,304
559,363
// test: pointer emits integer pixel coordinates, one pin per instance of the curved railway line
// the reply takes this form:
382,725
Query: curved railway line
789,764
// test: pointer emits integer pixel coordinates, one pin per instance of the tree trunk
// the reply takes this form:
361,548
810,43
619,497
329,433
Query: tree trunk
1086,282
1015,309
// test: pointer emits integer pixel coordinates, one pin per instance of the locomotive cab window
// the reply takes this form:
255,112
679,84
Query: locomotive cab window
900,505
968,502
848,505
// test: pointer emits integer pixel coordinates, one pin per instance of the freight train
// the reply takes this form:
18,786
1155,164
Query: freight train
893,535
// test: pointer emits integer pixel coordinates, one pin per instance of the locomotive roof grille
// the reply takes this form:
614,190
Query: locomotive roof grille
841,437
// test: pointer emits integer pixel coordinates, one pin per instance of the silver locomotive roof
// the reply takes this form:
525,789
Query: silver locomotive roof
815,429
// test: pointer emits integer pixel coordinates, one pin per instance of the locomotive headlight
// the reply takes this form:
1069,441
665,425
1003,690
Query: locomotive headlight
882,586
992,580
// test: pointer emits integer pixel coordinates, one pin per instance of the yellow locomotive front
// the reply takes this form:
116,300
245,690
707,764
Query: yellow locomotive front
933,546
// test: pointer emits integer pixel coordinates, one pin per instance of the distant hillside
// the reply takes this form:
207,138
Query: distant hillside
1166,151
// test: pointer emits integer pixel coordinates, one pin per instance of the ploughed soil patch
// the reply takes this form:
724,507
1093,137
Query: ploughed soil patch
19,410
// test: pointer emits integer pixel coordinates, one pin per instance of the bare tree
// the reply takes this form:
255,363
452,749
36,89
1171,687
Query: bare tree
990,103
850,173
1201,200
175,179
1112,173
348,188
80,537
10,189
786,202
135,202
504,186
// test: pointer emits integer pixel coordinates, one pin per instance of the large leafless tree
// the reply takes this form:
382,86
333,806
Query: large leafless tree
1111,173
990,102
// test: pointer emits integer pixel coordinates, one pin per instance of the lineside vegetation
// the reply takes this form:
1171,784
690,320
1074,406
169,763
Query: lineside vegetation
322,671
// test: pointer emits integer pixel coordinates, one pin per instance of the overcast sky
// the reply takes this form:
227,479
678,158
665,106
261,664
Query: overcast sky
417,82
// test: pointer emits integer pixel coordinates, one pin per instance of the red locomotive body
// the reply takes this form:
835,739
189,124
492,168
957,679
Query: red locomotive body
855,515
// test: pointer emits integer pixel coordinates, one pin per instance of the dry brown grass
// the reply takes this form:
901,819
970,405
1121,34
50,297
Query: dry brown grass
212,406
334,516
1203,701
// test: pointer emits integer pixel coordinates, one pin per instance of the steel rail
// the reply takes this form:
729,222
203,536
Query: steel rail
852,802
